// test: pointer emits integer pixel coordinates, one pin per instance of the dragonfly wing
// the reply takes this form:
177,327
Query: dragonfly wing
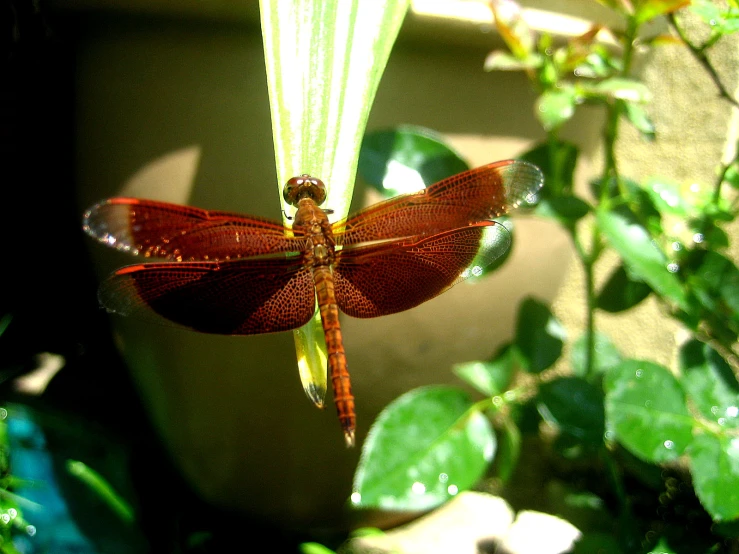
470,197
240,297
386,278
171,231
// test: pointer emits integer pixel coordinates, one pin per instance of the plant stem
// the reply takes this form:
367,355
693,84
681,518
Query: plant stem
699,52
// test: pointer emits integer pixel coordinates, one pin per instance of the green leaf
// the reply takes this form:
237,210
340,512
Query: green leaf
642,257
575,407
620,292
557,161
731,175
324,61
669,197
606,355
314,548
646,411
718,278
639,118
499,60
710,383
509,449
555,106
566,209
647,10
102,489
407,159
714,461
424,448
539,336
513,28
618,88
490,378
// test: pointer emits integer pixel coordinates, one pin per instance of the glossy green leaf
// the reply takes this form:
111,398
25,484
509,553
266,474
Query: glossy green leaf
423,449
557,161
620,292
714,462
555,106
646,411
539,336
642,257
639,118
489,377
606,355
407,159
710,383
575,407
566,209
324,61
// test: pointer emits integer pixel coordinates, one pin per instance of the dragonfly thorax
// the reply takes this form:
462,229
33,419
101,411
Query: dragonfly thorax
304,186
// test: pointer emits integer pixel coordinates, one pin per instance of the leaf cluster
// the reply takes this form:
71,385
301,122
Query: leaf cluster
620,415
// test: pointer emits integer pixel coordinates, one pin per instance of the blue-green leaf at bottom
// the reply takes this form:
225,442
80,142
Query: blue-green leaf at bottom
423,449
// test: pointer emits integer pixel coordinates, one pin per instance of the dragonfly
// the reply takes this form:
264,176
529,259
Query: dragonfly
232,274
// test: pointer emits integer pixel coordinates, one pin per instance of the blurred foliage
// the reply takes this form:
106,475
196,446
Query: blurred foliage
632,423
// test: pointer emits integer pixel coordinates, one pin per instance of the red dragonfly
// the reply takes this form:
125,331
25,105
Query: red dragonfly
233,274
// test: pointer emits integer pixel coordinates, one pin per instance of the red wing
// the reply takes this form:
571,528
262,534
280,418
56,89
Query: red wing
175,232
381,279
239,297
470,197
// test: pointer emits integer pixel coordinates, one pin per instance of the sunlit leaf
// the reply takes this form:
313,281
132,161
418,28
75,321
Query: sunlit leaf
489,377
710,383
555,106
499,60
324,61
620,89
513,28
714,462
422,450
646,410
647,10
314,548
642,257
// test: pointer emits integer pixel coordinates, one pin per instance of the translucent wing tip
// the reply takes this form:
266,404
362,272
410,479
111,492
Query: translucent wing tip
522,181
108,222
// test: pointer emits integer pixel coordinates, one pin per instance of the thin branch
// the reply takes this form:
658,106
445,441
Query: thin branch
700,55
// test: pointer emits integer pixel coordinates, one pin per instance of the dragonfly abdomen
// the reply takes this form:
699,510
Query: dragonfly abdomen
340,380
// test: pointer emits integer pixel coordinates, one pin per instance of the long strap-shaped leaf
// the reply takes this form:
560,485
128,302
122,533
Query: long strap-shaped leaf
324,60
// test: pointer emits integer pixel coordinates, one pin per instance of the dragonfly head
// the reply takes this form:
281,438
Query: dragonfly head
304,186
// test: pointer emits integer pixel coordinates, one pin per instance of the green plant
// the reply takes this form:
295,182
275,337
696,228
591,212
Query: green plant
619,416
